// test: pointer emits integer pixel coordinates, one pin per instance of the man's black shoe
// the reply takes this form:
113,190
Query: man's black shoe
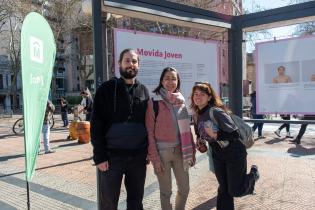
254,171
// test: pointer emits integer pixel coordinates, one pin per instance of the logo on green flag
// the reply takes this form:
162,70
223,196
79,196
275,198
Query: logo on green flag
38,50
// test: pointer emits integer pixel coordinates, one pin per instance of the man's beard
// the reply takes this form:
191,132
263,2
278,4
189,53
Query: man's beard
128,73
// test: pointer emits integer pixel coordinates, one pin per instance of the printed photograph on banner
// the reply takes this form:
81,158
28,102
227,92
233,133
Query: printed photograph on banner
308,71
284,72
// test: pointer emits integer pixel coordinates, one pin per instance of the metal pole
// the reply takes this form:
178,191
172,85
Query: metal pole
236,67
105,50
98,62
97,42
28,196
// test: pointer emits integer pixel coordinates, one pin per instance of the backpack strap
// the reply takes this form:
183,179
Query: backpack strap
155,108
194,118
212,116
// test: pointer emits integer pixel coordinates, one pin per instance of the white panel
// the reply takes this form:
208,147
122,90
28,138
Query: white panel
297,55
195,60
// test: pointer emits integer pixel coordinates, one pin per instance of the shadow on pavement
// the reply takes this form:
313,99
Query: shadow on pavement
70,144
301,151
59,140
275,140
209,204
52,166
6,158
9,135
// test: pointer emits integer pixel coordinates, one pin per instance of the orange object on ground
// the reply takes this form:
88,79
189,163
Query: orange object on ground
73,130
83,129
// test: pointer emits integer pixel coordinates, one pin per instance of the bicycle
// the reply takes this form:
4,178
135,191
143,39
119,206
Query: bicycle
18,126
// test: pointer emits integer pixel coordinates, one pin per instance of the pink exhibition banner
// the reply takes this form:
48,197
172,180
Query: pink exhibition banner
195,60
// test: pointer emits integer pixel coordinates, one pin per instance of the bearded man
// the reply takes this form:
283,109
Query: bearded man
119,136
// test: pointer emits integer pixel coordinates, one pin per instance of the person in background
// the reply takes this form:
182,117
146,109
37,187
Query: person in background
50,108
64,111
284,125
171,146
302,130
256,116
230,158
83,100
119,135
88,104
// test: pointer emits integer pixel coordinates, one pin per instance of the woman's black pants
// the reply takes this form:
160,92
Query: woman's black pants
230,166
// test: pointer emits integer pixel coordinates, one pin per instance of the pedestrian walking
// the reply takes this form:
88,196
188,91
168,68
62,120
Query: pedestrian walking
171,146
87,100
50,108
284,125
119,135
297,139
256,116
64,111
228,152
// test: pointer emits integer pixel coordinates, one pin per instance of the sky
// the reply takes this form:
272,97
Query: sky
278,33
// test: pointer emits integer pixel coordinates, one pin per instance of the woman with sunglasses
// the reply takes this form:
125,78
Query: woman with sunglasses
229,154
171,146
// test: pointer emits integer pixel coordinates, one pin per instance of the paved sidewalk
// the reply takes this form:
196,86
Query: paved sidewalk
66,179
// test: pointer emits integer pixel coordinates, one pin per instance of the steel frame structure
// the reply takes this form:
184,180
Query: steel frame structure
183,15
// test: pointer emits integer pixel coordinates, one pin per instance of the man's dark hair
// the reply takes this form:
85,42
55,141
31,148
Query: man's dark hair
125,51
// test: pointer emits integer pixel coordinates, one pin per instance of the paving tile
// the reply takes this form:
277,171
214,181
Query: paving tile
287,176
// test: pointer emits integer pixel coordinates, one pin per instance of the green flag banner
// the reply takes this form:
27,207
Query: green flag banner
38,50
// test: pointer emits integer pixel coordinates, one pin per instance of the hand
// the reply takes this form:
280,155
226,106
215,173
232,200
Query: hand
158,167
104,166
193,161
201,145
211,133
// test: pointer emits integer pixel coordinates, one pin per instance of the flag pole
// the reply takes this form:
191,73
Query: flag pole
28,196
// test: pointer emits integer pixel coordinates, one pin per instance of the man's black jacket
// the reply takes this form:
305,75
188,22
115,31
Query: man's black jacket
113,102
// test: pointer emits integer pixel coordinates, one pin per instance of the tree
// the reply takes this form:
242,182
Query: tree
10,32
3,14
307,28
63,16
252,37
66,17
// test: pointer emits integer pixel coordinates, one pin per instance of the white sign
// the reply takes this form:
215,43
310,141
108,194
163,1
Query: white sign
36,50
195,60
286,76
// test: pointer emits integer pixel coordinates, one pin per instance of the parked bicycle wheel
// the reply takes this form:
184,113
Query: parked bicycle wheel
18,127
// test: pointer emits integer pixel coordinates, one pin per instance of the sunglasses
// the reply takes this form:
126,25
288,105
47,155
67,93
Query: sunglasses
202,83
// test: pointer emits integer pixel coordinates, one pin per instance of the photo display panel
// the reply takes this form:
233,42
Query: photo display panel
195,60
285,76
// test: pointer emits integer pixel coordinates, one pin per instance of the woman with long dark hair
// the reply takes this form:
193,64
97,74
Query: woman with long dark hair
171,146
229,154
